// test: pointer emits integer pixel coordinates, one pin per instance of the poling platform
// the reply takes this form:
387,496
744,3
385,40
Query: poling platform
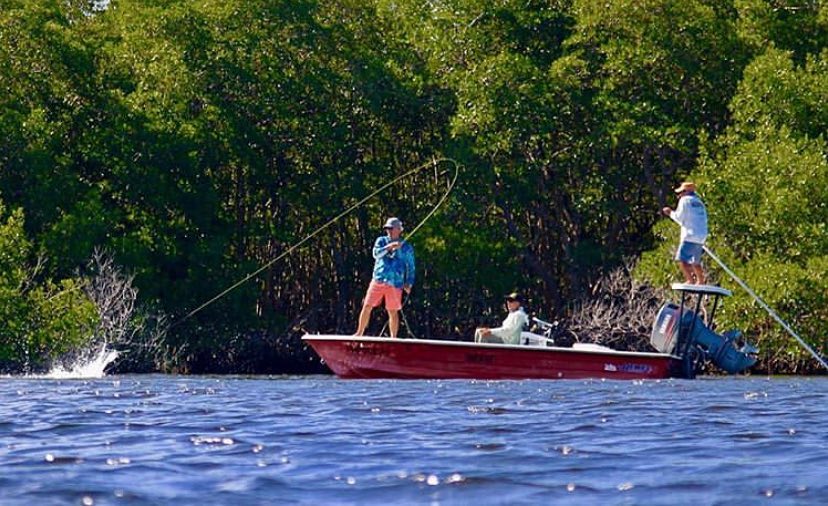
701,289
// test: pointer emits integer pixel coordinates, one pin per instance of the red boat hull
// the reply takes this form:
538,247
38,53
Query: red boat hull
377,357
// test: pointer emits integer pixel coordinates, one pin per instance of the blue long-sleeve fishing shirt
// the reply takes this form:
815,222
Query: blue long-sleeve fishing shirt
395,268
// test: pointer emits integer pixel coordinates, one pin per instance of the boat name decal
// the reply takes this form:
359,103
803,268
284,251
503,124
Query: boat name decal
363,349
629,368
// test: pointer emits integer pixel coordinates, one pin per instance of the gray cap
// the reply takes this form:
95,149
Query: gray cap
393,223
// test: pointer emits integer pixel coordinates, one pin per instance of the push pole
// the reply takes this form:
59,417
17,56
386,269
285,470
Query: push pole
766,307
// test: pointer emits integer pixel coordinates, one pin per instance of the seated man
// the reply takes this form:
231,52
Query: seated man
509,332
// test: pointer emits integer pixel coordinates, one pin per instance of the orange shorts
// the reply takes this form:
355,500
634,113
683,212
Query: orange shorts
378,290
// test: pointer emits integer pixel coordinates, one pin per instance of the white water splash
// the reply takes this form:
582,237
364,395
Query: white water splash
88,366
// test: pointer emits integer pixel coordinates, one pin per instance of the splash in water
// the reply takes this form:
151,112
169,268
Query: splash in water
88,365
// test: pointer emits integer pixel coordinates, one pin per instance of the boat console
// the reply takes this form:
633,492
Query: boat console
686,331
532,339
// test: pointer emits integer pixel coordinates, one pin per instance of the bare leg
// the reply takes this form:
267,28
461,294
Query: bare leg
699,272
393,322
364,318
687,270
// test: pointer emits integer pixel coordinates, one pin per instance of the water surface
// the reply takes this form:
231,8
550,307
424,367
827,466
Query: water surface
319,440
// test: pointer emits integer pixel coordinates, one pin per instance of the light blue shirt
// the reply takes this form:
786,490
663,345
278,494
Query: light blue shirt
395,268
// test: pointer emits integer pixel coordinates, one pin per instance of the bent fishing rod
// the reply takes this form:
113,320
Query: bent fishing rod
431,164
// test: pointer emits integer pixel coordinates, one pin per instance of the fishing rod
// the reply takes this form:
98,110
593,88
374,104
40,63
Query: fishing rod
408,237
767,308
433,163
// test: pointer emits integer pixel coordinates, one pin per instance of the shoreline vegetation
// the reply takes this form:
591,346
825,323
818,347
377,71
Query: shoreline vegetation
155,153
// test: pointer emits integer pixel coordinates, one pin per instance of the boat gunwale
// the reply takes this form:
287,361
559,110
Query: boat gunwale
491,346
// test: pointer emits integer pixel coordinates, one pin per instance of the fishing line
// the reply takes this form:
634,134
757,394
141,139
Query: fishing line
433,163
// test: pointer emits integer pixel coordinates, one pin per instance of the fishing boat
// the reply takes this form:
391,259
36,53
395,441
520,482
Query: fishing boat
682,339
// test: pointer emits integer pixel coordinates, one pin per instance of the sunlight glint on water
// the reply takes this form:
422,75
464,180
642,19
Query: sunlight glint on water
160,440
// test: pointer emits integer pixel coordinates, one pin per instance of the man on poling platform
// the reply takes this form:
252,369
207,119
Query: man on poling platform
509,331
692,216
393,273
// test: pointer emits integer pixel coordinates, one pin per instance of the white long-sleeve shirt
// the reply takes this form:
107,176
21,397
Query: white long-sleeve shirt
512,326
692,216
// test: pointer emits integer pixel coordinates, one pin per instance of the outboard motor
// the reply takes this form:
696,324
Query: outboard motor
721,349
663,337
693,341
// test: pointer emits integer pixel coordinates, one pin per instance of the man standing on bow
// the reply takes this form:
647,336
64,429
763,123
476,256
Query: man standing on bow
692,216
393,273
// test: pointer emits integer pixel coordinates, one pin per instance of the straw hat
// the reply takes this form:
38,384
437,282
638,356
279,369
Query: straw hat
686,186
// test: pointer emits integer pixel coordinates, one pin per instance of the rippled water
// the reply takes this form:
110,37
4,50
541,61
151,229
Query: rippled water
318,440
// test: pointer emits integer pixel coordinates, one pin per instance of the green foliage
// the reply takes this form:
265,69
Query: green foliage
776,93
198,140
39,321
800,26
666,67
770,195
